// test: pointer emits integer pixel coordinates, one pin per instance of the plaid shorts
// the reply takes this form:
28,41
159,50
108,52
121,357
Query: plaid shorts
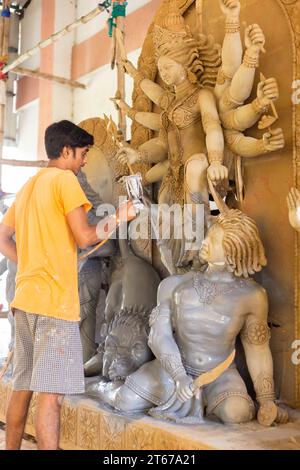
47,355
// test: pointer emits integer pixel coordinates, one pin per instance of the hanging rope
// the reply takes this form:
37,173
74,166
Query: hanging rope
118,11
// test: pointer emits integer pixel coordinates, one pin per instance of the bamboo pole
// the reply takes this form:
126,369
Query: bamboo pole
24,163
4,37
121,79
54,38
46,76
118,38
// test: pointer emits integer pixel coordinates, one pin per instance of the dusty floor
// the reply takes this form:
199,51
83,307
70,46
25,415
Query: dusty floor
26,445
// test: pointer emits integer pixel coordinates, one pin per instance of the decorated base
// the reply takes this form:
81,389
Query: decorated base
87,425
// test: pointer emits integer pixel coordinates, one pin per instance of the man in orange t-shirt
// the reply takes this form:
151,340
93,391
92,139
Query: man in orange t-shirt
49,221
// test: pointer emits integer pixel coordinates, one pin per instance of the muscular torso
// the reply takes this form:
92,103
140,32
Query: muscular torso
207,318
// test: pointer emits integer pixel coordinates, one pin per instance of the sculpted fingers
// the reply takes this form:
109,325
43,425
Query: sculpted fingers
274,140
230,7
184,388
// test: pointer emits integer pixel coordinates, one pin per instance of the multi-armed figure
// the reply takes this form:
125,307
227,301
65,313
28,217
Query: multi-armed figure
206,99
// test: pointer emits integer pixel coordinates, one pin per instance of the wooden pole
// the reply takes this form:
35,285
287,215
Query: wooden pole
54,38
46,76
25,163
4,38
121,92
121,81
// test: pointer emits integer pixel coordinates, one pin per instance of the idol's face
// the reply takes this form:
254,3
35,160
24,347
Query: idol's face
212,246
171,72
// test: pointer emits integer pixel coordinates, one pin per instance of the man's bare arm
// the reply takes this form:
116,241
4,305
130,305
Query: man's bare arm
7,244
87,235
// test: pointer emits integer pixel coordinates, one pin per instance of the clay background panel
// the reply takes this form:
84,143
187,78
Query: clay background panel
268,179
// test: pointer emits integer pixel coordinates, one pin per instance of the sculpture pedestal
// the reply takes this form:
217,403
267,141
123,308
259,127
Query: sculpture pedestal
88,425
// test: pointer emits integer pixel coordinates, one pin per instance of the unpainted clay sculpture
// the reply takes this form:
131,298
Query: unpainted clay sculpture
130,300
190,139
193,332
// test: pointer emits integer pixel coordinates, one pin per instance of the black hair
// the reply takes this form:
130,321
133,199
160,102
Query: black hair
65,134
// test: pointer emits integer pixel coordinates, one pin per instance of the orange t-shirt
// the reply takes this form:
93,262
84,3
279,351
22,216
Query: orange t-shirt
47,281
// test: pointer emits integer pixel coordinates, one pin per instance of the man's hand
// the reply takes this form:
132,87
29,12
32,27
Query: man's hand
127,155
254,38
130,68
230,8
184,388
126,212
7,244
273,140
217,172
293,201
267,91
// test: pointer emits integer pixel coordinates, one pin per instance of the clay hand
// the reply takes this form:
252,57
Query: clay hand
127,155
282,416
267,91
184,388
273,140
270,413
120,104
254,38
217,172
230,8
293,201
129,67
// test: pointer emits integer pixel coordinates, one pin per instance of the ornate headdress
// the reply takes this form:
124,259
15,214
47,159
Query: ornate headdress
170,31
173,38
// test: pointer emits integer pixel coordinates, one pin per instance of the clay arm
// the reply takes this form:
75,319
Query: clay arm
249,147
157,172
162,342
214,135
242,82
232,49
255,338
150,120
246,116
154,92
152,151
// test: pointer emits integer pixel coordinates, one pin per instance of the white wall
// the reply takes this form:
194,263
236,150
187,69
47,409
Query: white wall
102,85
28,137
31,32
27,134
65,13
13,178
76,105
